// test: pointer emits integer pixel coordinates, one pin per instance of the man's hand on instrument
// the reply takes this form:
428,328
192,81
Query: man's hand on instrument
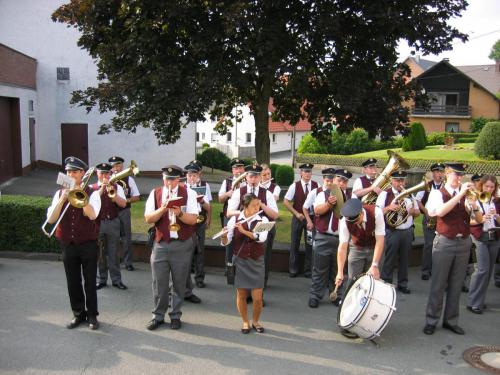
332,200
393,207
176,210
374,271
376,189
465,187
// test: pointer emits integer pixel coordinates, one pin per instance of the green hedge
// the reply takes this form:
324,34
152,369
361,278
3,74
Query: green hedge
416,139
488,143
214,158
486,166
21,218
284,175
437,138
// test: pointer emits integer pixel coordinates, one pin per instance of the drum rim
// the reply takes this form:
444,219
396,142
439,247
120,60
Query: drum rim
360,314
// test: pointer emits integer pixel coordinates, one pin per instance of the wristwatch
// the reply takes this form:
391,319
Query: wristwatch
256,236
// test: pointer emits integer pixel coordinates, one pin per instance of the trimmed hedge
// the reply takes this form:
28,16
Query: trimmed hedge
21,218
438,138
274,168
488,143
215,158
486,166
284,175
416,139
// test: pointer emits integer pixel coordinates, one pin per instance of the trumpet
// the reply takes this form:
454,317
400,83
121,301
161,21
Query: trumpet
77,198
225,230
481,196
174,227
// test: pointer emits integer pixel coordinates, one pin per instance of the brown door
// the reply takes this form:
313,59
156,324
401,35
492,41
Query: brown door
32,143
74,140
10,139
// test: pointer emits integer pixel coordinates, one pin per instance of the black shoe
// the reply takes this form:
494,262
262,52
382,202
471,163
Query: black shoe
100,286
292,274
175,324
258,329
193,299
307,275
475,310
349,335
404,290
130,268
429,329
454,328
465,289
153,324
425,276
120,285
76,321
245,331
313,303
200,284
93,323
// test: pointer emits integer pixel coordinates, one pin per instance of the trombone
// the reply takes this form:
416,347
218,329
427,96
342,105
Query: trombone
77,198
133,169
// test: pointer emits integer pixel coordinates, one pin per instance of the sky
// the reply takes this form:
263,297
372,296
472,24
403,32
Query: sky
481,21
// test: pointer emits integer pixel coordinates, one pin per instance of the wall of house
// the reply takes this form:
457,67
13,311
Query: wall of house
438,124
26,26
482,103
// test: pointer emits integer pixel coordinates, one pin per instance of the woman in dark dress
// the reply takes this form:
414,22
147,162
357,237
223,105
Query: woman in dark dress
248,257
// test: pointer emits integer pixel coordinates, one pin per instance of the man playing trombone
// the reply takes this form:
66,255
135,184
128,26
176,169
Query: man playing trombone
77,233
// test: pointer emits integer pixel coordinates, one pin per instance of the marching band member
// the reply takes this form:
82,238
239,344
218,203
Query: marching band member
487,244
297,193
132,195
451,248
77,234
397,240
225,193
428,224
363,185
267,183
248,249
325,241
342,177
173,247
109,231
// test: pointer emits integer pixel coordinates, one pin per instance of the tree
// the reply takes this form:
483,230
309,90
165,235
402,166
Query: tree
495,51
164,64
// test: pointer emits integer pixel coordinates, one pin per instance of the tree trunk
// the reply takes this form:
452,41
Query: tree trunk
261,116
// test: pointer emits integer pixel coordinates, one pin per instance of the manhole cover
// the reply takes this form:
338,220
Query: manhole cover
486,358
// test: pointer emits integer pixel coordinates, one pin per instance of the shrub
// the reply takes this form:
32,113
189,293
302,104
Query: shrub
436,138
309,144
21,218
338,144
487,145
205,145
439,137
416,138
214,158
274,168
248,161
284,175
477,124
357,141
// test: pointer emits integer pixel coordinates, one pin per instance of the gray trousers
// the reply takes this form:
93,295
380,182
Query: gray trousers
199,253
429,235
324,267
229,247
109,235
126,231
170,258
359,260
268,252
497,270
486,255
397,244
299,229
449,262
189,280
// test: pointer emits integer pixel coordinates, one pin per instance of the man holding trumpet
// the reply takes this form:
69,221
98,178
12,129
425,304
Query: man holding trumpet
113,199
174,244
77,234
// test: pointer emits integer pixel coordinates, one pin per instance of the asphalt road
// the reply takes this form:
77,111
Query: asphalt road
34,309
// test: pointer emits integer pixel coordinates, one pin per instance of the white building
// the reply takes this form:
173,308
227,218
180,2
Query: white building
40,66
240,139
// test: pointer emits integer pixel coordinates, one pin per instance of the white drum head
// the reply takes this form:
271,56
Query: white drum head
355,301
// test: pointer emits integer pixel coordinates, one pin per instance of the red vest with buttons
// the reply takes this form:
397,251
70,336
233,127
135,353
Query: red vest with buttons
243,246
75,227
109,209
300,197
321,221
163,225
365,182
455,222
364,237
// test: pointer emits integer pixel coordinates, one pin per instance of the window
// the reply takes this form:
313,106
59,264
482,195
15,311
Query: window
452,127
197,137
229,137
213,138
248,137
273,138
203,136
63,74
31,106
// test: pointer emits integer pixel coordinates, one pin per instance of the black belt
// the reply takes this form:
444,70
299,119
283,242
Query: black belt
329,234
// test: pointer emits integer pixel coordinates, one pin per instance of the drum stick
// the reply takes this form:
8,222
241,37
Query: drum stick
333,295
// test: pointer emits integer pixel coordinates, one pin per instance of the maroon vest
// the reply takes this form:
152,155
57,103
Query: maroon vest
364,237
109,209
229,182
321,221
365,182
300,197
75,227
454,222
477,230
271,187
163,225
261,194
244,247
389,197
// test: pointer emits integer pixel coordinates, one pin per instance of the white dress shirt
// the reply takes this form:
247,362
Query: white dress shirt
420,195
409,203
234,202
222,189
436,199
276,192
344,234
94,201
290,194
357,186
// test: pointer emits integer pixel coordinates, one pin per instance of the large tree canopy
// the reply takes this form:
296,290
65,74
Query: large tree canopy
164,64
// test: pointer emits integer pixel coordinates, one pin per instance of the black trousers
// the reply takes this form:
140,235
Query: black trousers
78,260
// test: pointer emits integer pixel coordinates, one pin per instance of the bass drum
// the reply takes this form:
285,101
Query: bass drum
367,307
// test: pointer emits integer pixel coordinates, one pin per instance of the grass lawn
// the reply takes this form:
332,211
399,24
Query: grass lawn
466,153
282,229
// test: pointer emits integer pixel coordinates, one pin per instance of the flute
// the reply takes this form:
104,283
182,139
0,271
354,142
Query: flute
223,231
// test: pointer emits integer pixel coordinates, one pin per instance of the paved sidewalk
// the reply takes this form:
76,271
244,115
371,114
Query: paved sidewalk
34,308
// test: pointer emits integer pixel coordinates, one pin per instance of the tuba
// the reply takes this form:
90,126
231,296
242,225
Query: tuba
133,169
398,217
383,180
237,182
335,190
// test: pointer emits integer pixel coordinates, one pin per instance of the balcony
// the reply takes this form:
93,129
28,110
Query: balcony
442,111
